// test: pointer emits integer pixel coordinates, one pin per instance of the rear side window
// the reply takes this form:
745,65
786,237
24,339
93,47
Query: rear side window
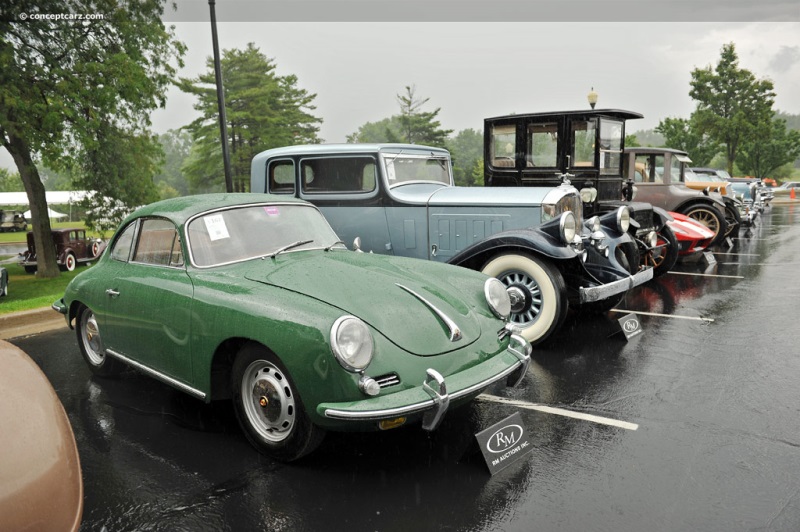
332,175
158,244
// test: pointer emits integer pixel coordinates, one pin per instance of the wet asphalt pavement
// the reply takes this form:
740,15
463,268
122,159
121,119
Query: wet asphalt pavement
713,393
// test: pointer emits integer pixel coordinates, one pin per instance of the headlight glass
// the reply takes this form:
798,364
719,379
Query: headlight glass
497,298
593,224
351,343
568,227
623,219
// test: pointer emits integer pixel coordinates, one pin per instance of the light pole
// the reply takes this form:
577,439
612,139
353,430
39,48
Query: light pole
223,123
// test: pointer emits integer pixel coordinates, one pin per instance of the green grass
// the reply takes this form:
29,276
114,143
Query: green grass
26,292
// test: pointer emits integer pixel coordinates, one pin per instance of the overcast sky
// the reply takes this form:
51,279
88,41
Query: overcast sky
473,70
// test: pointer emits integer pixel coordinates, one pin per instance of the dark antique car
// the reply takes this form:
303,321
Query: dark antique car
399,199
12,221
253,297
658,176
73,247
41,487
583,147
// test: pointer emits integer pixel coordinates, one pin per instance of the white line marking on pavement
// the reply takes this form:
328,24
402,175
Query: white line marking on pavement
740,254
708,275
559,412
695,318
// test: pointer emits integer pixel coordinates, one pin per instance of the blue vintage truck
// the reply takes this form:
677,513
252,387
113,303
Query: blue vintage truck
400,199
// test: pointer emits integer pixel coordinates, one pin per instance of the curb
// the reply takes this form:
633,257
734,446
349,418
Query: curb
28,322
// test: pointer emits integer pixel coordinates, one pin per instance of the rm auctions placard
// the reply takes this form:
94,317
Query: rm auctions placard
504,443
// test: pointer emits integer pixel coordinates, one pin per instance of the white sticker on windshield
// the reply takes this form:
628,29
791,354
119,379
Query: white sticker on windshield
390,171
215,225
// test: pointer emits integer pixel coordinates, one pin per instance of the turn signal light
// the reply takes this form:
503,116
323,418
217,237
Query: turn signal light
386,424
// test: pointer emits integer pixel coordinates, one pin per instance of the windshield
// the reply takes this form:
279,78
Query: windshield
406,168
243,233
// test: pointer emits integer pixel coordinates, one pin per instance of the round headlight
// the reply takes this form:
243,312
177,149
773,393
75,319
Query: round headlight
593,224
351,343
497,297
568,227
623,219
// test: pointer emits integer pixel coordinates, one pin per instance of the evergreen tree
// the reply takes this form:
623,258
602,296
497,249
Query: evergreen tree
263,110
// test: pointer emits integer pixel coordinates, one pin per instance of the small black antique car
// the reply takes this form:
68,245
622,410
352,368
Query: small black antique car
584,148
73,247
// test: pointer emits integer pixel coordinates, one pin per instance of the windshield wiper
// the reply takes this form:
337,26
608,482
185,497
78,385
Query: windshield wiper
288,247
335,243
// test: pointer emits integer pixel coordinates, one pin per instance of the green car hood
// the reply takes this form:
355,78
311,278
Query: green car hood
366,286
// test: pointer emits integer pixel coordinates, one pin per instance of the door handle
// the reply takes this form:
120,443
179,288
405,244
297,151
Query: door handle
112,293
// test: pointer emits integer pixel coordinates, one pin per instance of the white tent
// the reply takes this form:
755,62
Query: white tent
50,214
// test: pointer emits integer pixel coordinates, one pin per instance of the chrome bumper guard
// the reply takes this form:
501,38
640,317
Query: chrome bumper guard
435,387
598,293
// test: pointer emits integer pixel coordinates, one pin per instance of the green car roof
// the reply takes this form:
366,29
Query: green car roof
182,208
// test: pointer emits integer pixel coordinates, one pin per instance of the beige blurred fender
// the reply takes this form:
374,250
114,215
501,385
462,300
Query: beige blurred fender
40,475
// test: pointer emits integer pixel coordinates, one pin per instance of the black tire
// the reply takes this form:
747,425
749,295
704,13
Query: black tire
268,407
669,254
30,269
90,342
545,301
711,218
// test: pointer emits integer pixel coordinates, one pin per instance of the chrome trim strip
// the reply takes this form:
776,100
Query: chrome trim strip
160,376
597,293
455,332
334,413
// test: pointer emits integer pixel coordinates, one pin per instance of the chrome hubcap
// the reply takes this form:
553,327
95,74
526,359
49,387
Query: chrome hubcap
268,401
526,303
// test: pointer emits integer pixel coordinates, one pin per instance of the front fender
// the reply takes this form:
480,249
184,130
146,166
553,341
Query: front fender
532,240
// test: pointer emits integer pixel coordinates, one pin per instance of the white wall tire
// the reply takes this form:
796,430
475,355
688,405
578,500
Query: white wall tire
545,304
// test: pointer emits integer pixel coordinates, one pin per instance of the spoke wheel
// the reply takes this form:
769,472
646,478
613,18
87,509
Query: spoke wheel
668,255
539,301
709,217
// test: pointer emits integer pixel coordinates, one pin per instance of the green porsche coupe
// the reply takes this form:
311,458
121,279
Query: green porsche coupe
253,298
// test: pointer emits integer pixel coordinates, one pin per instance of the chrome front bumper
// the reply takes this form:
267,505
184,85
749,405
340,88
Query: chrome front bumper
432,397
598,293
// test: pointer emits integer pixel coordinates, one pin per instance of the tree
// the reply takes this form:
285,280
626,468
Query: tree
10,182
731,102
376,132
416,126
118,165
466,147
264,110
170,180
772,147
682,134
61,80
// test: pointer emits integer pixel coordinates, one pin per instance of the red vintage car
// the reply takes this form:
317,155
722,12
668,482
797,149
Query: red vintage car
693,237
73,247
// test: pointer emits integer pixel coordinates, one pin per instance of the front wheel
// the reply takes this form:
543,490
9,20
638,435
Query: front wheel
269,408
733,219
70,262
539,297
669,252
711,218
